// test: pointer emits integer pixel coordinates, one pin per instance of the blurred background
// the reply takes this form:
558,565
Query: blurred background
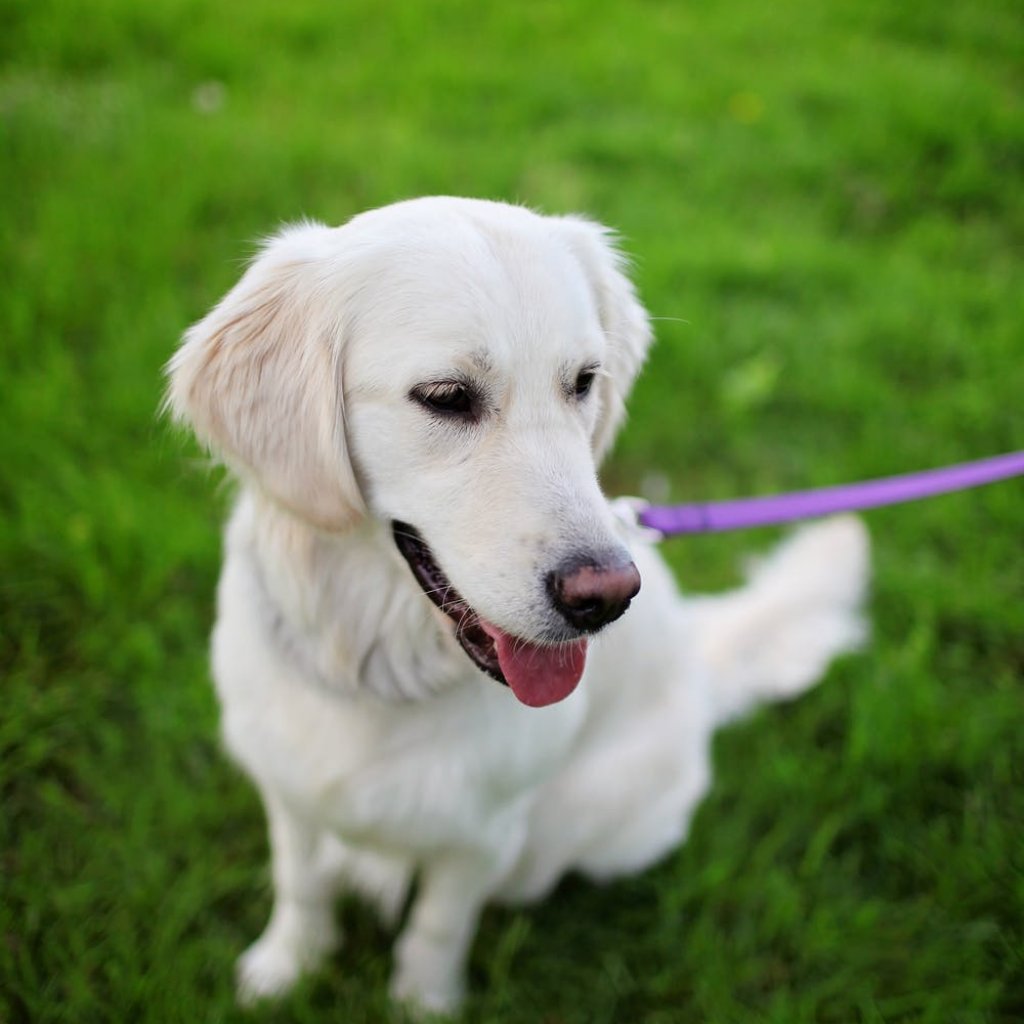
825,204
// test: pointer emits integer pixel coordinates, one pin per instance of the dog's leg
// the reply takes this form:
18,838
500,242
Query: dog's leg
628,800
301,931
648,830
431,953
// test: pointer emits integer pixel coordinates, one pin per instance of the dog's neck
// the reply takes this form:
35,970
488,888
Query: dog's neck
343,608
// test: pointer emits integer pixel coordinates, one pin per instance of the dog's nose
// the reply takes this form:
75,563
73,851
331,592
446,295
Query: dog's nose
591,594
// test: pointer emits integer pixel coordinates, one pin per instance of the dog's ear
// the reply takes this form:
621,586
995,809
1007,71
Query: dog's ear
259,380
624,320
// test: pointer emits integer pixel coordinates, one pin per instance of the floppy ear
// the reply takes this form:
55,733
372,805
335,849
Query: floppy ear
259,379
624,319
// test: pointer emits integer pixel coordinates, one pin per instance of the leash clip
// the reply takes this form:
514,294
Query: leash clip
627,510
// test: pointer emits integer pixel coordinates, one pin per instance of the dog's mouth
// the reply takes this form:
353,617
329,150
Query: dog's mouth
538,674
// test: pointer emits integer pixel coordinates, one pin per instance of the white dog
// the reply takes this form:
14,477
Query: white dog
415,404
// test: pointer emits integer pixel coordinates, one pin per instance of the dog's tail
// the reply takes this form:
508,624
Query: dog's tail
773,638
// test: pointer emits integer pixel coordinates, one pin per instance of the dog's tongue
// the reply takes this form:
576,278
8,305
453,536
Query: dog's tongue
538,675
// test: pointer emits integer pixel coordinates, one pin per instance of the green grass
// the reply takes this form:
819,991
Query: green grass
826,206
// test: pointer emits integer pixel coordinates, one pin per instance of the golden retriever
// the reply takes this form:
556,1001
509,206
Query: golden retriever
415,404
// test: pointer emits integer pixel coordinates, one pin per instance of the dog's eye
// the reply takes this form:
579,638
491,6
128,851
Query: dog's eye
584,382
448,398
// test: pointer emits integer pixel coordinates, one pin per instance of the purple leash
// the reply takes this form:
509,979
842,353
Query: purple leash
718,516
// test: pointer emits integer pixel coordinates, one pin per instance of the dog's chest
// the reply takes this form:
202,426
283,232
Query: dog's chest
414,775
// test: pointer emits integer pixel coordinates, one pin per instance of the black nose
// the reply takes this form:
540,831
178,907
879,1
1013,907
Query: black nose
590,594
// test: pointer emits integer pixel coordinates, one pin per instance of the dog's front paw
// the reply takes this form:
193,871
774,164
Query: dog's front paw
272,965
425,981
265,971
424,1003
296,941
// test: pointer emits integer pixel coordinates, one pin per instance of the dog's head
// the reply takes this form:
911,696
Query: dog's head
456,369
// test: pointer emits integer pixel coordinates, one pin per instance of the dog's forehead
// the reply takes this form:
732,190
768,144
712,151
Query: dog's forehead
486,300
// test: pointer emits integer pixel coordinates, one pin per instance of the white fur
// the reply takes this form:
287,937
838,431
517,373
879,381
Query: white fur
381,753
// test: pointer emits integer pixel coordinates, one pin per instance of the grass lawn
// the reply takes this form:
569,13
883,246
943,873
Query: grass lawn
826,205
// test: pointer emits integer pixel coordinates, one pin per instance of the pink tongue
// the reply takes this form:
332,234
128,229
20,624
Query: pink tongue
538,675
